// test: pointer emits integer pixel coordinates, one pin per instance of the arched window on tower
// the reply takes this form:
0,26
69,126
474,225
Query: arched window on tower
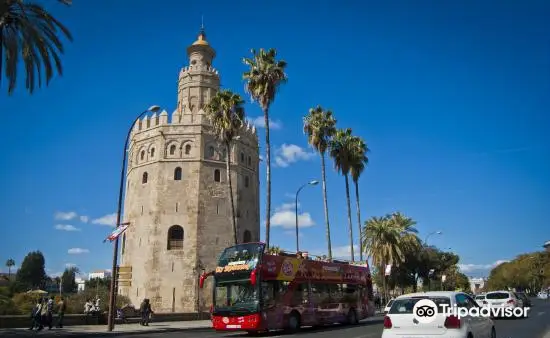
247,236
173,149
217,175
177,174
249,161
211,152
175,238
242,157
187,149
144,178
142,155
152,152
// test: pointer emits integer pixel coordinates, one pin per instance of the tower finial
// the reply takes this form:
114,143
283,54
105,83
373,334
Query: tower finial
202,24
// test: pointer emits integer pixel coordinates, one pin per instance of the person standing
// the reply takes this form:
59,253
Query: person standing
61,307
35,315
49,314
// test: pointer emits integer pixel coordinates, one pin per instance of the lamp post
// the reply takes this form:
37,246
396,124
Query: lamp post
314,182
112,293
425,247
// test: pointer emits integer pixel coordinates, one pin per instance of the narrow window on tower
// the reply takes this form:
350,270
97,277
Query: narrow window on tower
152,152
173,299
188,149
140,242
177,204
177,174
144,178
142,209
172,266
137,292
123,243
142,155
242,157
249,161
246,181
217,175
173,149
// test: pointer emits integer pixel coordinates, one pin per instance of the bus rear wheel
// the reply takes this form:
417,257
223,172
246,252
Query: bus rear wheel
293,323
352,317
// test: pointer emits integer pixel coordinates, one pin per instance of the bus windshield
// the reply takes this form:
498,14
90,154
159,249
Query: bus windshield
245,253
235,297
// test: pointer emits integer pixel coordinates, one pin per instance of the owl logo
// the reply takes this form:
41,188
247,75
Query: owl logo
287,268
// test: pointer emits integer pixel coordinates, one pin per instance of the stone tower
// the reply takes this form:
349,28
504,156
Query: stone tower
177,195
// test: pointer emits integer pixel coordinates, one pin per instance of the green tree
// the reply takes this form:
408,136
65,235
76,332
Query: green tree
263,79
226,115
10,263
359,161
341,153
32,273
68,280
29,32
320,127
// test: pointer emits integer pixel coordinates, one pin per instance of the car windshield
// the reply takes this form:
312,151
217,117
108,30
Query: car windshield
235,297
390,303
241,254
497,295
406,305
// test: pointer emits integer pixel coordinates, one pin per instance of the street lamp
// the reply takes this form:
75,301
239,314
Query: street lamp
431,234
112,293
314,182
425,247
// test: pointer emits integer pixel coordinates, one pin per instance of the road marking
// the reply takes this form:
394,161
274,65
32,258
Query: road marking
540,313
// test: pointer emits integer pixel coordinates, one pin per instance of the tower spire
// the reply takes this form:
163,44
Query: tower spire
202,24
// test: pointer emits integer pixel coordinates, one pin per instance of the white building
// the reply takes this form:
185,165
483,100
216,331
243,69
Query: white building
477,284
101,274
81,283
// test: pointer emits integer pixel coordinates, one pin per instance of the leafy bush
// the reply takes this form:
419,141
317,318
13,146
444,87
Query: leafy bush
7,306
24,302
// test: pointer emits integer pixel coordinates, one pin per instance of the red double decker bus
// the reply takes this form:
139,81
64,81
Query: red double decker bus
256,291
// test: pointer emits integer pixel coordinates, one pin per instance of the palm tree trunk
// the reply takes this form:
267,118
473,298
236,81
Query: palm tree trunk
325,201
350,230
358,220
230,187
268,178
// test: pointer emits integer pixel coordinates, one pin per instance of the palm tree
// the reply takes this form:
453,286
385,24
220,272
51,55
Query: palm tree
30,32
10,263
264,77
358,164
320,126
382,242
226,114
340,151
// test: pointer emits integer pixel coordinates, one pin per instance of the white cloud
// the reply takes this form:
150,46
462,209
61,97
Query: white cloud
109,220
70,265
291,153
77,251
285,217
293,233
467,268
259,122
84,219
65,216
66,227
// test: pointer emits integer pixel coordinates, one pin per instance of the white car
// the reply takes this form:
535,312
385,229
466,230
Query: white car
542,295
503,299
400,322
388,306
480,299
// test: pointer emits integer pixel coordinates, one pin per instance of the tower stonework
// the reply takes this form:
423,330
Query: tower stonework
177,195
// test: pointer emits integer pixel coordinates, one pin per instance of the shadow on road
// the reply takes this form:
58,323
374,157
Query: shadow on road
309,330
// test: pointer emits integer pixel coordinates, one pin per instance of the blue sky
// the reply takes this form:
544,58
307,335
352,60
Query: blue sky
452,99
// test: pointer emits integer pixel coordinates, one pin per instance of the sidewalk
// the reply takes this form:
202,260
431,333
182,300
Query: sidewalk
120,329
125,329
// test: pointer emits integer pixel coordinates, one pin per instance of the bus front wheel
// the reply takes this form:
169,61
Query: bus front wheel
352,317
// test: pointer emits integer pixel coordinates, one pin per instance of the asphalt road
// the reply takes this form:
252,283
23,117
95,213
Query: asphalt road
537,325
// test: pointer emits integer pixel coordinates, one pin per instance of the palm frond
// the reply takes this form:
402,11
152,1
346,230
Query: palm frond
29,32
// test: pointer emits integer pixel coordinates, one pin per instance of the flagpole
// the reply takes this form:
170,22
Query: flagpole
112,293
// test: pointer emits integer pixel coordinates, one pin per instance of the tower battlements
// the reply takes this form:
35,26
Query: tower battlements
161,122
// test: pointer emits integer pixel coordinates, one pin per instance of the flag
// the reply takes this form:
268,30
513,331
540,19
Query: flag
117,232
